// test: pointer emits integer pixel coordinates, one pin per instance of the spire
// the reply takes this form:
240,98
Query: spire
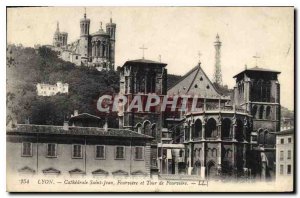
85,12
110,16
100,25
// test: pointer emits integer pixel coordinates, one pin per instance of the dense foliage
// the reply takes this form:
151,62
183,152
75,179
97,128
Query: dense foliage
26,67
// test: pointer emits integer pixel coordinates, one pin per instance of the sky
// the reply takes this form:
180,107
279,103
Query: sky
178,34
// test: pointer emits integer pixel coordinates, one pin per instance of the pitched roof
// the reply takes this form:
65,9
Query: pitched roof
26,169
74,130
195,82
143,62
100,172
51,171
76,171
257,69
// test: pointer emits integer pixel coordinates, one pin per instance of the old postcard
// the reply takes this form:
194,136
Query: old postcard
150,99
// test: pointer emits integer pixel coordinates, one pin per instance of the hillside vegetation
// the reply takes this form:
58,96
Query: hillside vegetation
26,67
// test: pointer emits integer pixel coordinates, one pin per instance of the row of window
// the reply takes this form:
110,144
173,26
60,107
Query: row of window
77,151
289,155
288,170
282,140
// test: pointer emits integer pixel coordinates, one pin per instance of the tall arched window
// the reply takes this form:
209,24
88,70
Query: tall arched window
211,128
261,112
198,128
226,126
268,112
138,128
147,128
254,110
239,130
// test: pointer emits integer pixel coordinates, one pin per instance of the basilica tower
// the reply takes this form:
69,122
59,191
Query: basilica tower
111,30
84,38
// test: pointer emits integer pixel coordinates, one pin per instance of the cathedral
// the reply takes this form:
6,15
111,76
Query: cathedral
92,50
228,136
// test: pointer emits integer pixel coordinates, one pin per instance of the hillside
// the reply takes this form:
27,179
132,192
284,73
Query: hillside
26,67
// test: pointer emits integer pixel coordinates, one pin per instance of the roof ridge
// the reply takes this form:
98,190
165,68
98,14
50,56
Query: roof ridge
184,76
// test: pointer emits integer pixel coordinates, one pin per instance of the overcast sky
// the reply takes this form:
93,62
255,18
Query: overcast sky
178,34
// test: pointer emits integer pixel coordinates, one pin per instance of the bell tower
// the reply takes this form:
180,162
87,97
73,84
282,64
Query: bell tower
111,30
84,37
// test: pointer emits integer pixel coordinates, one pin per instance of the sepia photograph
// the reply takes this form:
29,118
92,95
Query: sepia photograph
150,99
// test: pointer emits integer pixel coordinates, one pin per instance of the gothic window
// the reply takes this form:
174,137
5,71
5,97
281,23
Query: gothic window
198,128
207,87
225,129
201,79
254,110
147,128
139,128
211,128
268,111
261,112
196,86
239,130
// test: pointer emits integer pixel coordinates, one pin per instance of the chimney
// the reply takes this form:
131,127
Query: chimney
75,112
66,126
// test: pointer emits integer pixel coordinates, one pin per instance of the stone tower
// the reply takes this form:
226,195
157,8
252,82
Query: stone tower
60,39
257,90
218,72
111,30
84,38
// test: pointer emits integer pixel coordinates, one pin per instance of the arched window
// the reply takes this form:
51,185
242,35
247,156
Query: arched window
261,112
239,130
211,128
138,128
198,128
226,126
268,112
254,110
147,128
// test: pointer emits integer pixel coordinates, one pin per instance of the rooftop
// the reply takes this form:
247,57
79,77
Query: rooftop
143,62
286,131
84,116
73,130
257,69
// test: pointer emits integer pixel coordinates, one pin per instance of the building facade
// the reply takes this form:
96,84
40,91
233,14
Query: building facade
91,49
77,151
51,90
285,154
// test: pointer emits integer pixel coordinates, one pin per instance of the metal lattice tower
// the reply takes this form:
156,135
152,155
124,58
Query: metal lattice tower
218,72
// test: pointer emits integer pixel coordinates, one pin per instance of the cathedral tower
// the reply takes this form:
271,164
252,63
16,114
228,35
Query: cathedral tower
218,72
84,37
